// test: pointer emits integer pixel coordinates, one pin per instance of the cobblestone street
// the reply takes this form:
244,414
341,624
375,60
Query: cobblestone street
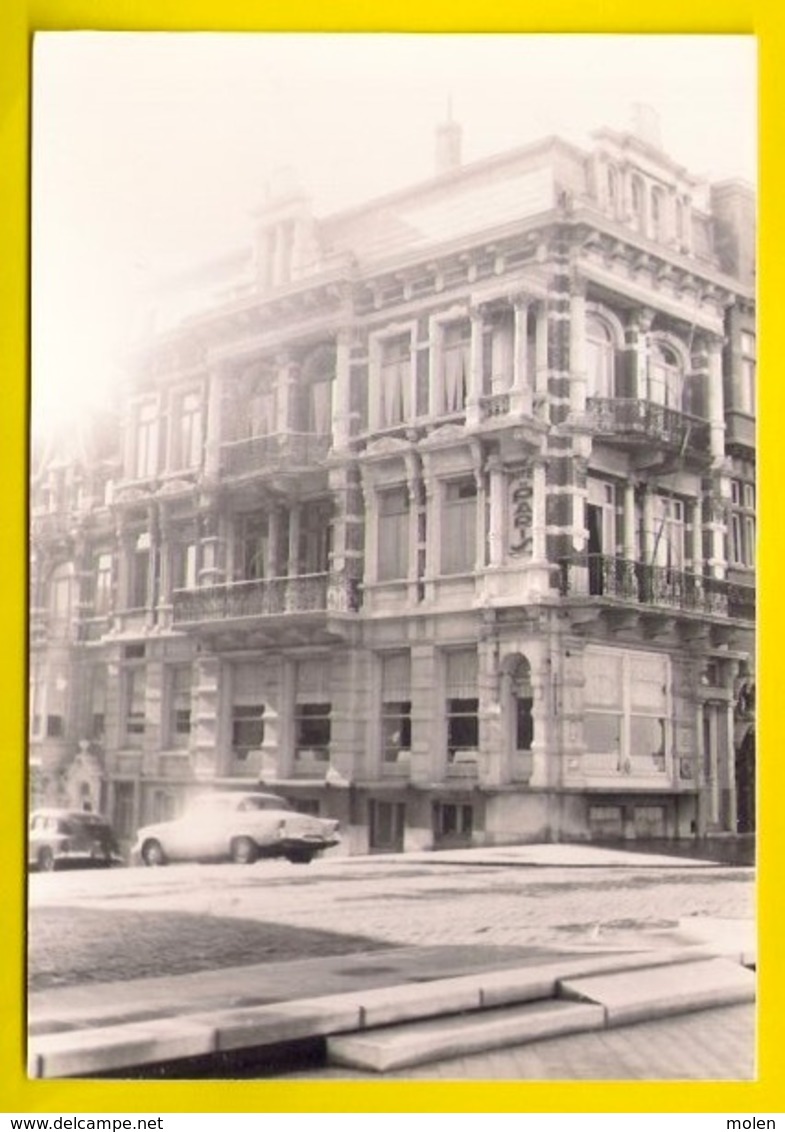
394,902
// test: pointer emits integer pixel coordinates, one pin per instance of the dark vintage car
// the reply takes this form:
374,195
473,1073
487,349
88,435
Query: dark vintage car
239,827
74,838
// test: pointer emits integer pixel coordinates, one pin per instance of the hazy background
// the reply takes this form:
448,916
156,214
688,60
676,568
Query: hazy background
150,150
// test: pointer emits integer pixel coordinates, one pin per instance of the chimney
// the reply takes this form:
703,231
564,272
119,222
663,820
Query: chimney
448,144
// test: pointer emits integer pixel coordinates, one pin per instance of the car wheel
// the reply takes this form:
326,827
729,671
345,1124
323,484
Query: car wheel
153,854
244,851
300,856
46,860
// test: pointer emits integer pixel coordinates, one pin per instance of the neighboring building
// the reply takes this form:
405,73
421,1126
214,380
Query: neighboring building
441,521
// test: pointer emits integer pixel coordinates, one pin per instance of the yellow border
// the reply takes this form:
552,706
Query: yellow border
18,20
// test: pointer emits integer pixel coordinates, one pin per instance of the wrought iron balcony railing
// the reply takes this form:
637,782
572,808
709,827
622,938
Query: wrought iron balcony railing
266,597
648,420
273,452
602,575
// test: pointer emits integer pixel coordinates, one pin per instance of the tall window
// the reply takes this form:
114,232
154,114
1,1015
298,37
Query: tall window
658,214
179,705
600,357
459,526
247,710
613,190
747,391
742,524
456,343
60,596
140,573
134,714
102,603
638,202
666,376
393,562
312,711
188,442
147,440
260,420
626,717
394,378
184,565
396,708
315,538
251,547
462,702
97,722
316,390
668,538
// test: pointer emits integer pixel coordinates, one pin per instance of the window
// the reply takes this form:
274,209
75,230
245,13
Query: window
395,379
396,716
456,343
451,819
97,722
315,538
188,434
60,591
180,705
742,524
747,390
666,377
462,702
247,729
386,825
600,358
637,199
393,551
140,574
668,536
459,526
312,711
658,214
251,547
184,566
147,440
248,706
103,585
627,715
315,414
613,190
134,719
261,408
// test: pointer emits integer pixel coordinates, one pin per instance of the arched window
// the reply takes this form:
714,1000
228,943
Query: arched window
666,376
600,357
316,386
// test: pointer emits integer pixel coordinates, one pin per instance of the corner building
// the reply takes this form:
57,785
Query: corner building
437,517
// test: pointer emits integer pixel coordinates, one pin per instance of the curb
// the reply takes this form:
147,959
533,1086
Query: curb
609,986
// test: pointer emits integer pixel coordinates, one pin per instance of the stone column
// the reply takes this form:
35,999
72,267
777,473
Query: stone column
521,392
214,424
294,540
578,348
496,525
474,391
541,353
628,522
341,402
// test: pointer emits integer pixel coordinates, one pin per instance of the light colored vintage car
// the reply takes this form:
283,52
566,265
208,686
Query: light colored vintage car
239,827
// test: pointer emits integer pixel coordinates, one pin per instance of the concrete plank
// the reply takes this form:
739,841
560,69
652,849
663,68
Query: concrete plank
285,1021
634,996
86,1052
396,1047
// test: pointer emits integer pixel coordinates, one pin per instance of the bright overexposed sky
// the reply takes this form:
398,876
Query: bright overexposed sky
151,150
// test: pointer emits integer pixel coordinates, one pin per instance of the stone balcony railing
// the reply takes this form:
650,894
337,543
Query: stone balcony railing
266,597
274,452
632,418
620,579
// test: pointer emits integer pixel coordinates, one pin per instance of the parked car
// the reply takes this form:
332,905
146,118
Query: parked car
61,837
236,826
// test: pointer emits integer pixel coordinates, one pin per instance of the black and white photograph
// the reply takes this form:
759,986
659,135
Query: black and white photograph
392,557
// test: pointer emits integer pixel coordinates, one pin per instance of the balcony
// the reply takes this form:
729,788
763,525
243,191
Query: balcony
266,598
647,422
276,452
620,579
